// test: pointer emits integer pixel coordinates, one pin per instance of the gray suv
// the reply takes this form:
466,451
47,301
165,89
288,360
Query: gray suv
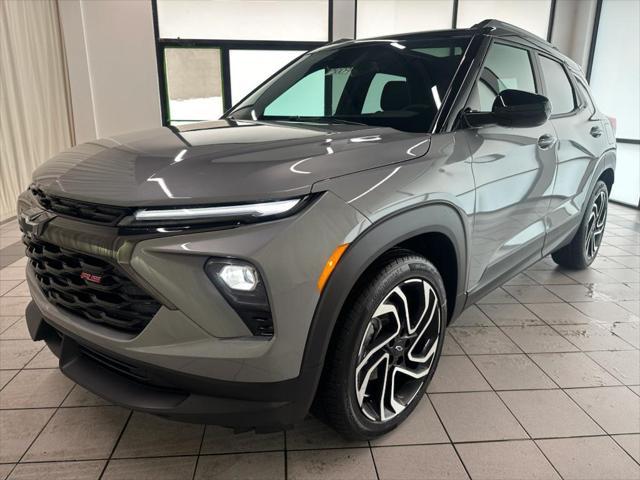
307,251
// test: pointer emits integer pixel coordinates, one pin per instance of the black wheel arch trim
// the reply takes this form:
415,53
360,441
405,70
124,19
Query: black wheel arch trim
436,217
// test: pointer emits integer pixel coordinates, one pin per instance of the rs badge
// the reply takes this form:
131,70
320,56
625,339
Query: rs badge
91,277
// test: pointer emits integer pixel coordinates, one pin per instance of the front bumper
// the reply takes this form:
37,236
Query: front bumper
152,389
196,360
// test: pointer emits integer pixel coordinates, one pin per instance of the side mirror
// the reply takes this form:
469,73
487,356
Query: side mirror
513,108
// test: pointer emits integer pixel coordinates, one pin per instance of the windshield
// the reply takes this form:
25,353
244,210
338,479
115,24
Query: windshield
399,84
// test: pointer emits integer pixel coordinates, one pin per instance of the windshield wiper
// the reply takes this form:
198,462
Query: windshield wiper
328,120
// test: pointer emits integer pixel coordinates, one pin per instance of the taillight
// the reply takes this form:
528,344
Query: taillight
614,124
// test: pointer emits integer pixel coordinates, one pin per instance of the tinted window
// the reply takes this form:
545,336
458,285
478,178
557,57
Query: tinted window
398,84
559,89
505,68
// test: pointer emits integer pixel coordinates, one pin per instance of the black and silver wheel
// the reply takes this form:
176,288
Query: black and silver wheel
595,225
397,350
584,246
385,348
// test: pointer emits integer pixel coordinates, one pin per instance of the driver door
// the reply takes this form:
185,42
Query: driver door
514,170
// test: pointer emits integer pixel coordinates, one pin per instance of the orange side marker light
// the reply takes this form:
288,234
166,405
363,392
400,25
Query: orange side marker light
331,265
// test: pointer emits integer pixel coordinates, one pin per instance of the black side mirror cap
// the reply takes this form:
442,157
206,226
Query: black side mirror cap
513,108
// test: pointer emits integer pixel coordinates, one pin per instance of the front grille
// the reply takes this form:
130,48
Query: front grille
111,298
92,212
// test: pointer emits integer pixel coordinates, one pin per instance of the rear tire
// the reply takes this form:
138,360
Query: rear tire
380,360
583,248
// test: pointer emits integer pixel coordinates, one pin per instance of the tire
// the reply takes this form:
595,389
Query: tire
583,248
351,387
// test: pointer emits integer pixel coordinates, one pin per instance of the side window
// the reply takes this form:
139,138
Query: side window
585,97
505,68
559,89
373,100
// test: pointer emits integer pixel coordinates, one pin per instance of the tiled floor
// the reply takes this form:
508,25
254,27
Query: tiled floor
540,380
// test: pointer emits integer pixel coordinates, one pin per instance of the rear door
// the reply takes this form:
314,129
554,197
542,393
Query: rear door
582,138
514,170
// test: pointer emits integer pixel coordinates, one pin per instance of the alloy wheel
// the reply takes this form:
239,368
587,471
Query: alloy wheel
595,225
397,350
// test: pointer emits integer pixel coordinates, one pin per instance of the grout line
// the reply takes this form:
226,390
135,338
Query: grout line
195,468
399,445
115,445
449,392
444,427
41,430
531,438
286,456
514,416
622,448
373,459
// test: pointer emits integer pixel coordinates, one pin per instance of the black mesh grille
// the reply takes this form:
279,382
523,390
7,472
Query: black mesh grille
93,212
105,294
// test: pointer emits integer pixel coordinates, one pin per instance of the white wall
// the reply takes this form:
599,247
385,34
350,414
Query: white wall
615,81
112,66
572,28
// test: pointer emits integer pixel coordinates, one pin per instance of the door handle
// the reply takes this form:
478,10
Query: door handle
546,141
595,132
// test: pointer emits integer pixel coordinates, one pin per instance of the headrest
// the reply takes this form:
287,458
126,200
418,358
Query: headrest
395,96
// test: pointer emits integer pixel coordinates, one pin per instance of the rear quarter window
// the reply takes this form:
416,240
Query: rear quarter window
583,96
558,87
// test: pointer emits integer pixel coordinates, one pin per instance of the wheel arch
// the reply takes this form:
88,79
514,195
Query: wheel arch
605,171
608,177
440,223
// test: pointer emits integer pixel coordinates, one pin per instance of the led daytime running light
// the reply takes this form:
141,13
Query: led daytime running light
253,210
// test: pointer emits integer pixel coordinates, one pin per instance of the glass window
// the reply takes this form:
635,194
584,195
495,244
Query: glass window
299,20
307,97
304,98
249,68
583,95
532,15
387,17
194,84
559,89
397,84
615,74
505,68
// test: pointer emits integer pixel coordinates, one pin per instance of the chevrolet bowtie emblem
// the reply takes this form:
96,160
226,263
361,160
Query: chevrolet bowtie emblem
33,221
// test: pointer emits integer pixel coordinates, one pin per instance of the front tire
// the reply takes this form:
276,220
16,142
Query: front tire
584,246
385,348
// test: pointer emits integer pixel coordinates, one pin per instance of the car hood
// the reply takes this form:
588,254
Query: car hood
220,162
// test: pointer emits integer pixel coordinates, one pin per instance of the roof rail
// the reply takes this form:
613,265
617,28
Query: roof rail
504,28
